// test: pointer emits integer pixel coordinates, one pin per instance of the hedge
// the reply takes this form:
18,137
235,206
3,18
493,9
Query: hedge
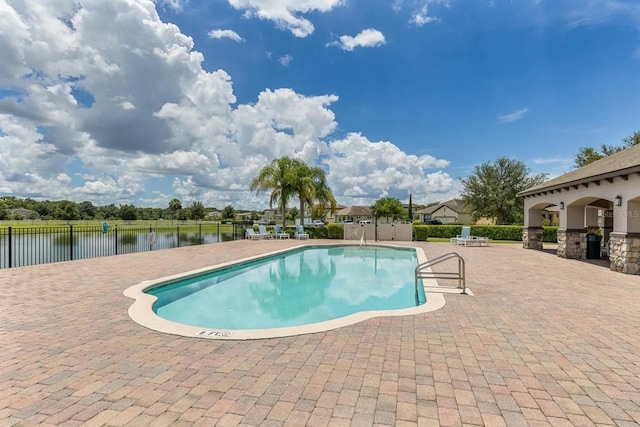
421,232
493,232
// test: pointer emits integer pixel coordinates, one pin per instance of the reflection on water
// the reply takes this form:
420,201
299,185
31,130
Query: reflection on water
60,245
288,293
298,287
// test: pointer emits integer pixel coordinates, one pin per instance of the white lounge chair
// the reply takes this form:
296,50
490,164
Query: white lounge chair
251,234
300,234
262,230
280,234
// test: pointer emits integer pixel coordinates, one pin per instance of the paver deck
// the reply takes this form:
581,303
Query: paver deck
544,341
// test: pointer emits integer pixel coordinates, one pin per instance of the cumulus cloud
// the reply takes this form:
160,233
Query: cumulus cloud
366,38
225,34
286,14
513,117
120,112
365,170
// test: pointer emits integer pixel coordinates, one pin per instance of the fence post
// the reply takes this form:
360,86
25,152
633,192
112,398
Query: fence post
218,231
178,234
70,242
10,249
116,237
200,237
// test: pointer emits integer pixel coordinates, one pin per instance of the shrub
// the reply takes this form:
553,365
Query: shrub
550,234
335,231
420,232
493,232
498,232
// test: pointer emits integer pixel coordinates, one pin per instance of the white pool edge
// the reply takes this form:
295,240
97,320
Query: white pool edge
141,311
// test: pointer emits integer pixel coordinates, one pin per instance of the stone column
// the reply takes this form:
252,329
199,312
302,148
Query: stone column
572,243
532,238
624,252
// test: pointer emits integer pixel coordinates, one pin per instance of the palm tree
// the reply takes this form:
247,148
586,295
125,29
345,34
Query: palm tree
324,195
174,207
311,186
279,177
388,206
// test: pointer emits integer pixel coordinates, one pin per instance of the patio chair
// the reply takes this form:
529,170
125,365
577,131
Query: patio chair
300,234
460,238
280,234
466,239
262,230
251,234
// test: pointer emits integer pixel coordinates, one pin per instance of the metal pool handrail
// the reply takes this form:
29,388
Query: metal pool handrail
422,273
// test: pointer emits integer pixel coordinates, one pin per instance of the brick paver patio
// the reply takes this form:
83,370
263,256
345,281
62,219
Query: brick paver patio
544,341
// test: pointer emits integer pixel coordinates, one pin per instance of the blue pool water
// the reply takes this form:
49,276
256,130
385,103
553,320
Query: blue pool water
294,288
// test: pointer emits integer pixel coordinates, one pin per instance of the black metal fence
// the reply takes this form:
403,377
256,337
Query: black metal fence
22,246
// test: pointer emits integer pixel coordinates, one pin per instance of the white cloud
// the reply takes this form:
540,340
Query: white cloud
286,14
119,112
285,60
421,16
366,38
225,34
367,170
539,161
176,5
513,117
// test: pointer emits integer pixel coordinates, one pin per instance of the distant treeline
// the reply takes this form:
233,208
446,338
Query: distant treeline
15,208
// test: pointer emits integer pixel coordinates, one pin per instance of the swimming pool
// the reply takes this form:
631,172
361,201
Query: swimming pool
300,290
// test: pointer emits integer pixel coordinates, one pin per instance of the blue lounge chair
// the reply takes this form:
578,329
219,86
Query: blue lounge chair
262,231
465,234
280,234
300,234
466,239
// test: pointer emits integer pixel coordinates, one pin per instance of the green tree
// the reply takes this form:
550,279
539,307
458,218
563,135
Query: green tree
87,210
228,213
292,214
174,207
279,178
108,212
67,210
492,189
311,187
388,207
128,212
196,211
587,155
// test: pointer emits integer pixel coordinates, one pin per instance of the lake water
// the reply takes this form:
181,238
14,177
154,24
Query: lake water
55,245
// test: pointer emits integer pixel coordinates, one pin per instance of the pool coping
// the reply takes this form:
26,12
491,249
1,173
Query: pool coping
142,313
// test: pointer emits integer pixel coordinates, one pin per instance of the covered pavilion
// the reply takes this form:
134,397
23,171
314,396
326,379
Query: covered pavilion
603,197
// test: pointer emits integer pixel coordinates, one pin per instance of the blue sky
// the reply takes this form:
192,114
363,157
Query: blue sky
131,101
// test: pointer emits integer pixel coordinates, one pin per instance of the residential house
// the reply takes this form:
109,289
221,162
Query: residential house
274,215
449,212
354,214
